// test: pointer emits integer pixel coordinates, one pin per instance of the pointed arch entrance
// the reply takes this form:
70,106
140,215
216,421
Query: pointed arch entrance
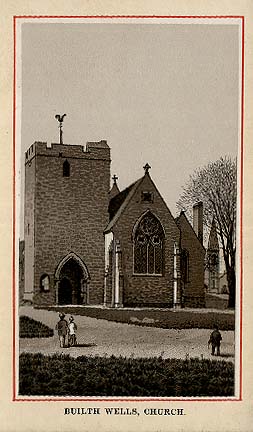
72,281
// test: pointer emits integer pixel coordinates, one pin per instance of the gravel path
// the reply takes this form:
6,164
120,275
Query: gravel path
100,337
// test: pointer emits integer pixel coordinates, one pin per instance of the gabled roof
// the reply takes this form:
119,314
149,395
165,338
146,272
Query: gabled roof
119,203
116,202
177,220
114,191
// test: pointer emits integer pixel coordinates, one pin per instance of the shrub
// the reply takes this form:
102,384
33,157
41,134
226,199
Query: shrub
62,375
29,328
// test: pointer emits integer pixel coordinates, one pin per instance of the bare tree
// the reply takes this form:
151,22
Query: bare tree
215,185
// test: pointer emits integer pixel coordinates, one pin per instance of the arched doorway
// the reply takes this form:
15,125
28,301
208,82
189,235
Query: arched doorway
72,281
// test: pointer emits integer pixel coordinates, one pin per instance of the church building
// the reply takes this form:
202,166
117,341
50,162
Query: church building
87,244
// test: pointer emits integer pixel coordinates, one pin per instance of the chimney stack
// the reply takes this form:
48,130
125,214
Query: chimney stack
198,220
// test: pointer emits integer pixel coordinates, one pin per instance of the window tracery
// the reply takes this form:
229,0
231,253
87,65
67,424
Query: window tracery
148,246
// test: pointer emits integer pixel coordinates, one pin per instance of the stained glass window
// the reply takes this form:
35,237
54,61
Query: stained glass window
148,246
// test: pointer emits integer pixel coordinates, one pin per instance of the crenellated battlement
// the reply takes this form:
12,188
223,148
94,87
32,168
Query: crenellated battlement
93,150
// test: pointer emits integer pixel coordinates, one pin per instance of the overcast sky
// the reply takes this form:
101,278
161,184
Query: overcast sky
163,94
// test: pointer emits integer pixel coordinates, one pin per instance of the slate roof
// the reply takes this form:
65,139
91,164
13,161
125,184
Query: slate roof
114,191
177,220
119,203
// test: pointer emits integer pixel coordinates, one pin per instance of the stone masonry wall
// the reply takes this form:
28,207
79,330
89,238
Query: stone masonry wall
29,229
194,295
70,213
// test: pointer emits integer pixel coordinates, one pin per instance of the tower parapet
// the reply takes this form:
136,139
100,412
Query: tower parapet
93,150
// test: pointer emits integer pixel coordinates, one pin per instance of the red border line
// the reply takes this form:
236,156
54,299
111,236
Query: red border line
14,211
241,206
15,17
131,16
127,400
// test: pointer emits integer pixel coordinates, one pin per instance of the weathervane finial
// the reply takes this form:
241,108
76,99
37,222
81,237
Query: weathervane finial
60,119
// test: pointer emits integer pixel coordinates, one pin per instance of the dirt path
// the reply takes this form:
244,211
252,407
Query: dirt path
100,337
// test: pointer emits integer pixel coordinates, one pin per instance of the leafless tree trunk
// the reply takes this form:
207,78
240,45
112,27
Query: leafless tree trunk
215,185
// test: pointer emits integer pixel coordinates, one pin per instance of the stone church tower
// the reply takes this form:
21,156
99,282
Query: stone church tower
66,210
212,260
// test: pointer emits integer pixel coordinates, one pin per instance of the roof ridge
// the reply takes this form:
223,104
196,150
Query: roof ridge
124,203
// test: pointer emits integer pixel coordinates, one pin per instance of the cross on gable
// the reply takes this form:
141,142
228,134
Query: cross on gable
147,168
114,178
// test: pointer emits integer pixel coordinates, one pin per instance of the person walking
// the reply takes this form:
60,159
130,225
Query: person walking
72,327
62,327
215,340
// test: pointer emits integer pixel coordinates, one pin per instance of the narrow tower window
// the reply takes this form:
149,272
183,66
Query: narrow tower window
66,169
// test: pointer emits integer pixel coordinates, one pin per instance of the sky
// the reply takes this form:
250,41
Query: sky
163,94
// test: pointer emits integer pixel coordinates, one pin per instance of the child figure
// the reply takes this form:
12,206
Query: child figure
214,340
72,327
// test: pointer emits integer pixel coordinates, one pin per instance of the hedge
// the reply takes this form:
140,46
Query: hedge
29,328
62,375
177,319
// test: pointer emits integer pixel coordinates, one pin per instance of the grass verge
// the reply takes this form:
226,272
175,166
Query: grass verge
30,328
163,318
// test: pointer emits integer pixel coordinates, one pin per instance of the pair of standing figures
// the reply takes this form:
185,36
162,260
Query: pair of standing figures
66,331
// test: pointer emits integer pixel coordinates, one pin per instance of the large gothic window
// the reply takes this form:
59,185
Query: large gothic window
148,246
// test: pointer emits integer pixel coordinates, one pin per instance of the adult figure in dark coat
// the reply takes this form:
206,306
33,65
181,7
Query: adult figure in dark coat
215,340
62,327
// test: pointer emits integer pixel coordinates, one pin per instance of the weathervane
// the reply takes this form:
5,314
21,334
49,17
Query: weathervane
60,120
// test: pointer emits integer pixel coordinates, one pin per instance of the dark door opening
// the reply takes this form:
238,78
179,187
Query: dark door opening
65,292
71,284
